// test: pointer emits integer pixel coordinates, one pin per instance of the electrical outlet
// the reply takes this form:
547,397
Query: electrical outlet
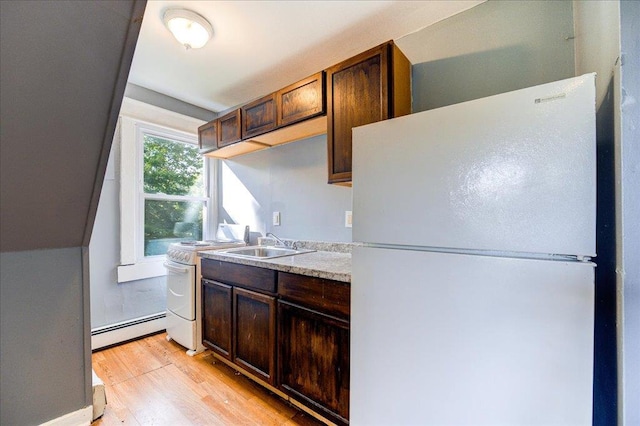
276,218
348,219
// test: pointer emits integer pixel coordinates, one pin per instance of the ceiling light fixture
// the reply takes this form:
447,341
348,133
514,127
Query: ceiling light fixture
190,29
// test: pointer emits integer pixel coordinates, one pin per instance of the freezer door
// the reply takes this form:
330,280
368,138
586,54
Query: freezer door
451,339
514,172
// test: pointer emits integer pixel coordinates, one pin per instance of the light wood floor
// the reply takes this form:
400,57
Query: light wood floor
153,382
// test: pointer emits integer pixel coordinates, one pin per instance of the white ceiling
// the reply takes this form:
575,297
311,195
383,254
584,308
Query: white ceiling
261,46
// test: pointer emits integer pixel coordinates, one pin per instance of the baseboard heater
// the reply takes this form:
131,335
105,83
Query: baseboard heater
127,330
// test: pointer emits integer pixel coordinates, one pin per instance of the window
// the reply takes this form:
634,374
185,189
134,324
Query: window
165,187
173,194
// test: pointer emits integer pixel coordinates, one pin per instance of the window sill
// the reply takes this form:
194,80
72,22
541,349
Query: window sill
142,270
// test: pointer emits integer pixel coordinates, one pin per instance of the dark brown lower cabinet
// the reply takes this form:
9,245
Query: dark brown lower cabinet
254,331
216,322
288,331
313,360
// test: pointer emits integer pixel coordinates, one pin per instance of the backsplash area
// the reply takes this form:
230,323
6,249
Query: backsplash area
322,246
292,180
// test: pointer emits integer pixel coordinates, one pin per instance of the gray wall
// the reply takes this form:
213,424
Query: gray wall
42,342
597,50
160,100
61,62
291,179
630,211
495,47
113,302
63,72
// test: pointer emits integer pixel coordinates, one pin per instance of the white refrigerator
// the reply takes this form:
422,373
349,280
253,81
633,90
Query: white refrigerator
473,288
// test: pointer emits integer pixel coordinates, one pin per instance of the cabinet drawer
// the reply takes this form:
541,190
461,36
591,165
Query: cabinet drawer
250,277
327,296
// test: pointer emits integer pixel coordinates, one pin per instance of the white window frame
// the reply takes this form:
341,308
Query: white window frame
143,129
135,119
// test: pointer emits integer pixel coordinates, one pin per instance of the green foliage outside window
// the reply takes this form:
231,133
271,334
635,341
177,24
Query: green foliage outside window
176,169
172,168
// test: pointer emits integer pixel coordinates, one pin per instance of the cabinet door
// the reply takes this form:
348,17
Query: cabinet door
370,87
229,128
259,116
357,95
208,137
302,100
313,359
254,332
216,317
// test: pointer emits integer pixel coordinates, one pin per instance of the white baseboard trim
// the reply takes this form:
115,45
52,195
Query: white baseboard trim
127,330
99,395
81,417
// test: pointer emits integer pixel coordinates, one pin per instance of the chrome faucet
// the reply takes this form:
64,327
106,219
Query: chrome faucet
282,243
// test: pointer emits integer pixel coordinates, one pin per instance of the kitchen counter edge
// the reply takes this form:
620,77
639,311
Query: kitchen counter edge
320,264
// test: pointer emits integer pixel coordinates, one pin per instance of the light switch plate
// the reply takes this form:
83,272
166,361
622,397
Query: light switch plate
348,219
276,218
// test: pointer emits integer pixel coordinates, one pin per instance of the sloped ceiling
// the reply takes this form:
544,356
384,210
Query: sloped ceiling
64,66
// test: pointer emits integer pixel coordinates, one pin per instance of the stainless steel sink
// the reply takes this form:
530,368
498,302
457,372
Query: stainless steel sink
260,252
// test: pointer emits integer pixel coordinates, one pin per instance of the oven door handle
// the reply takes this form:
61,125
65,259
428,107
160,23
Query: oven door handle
178,269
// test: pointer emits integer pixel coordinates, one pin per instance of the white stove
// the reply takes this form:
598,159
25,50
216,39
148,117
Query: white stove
186,252
184,305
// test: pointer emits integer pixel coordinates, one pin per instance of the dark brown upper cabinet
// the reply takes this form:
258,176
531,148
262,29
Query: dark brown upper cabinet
259,116
295,112
372,86
229,128
302,100
208,137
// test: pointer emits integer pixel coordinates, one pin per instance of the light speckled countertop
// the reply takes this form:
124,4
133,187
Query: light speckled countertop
330,265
